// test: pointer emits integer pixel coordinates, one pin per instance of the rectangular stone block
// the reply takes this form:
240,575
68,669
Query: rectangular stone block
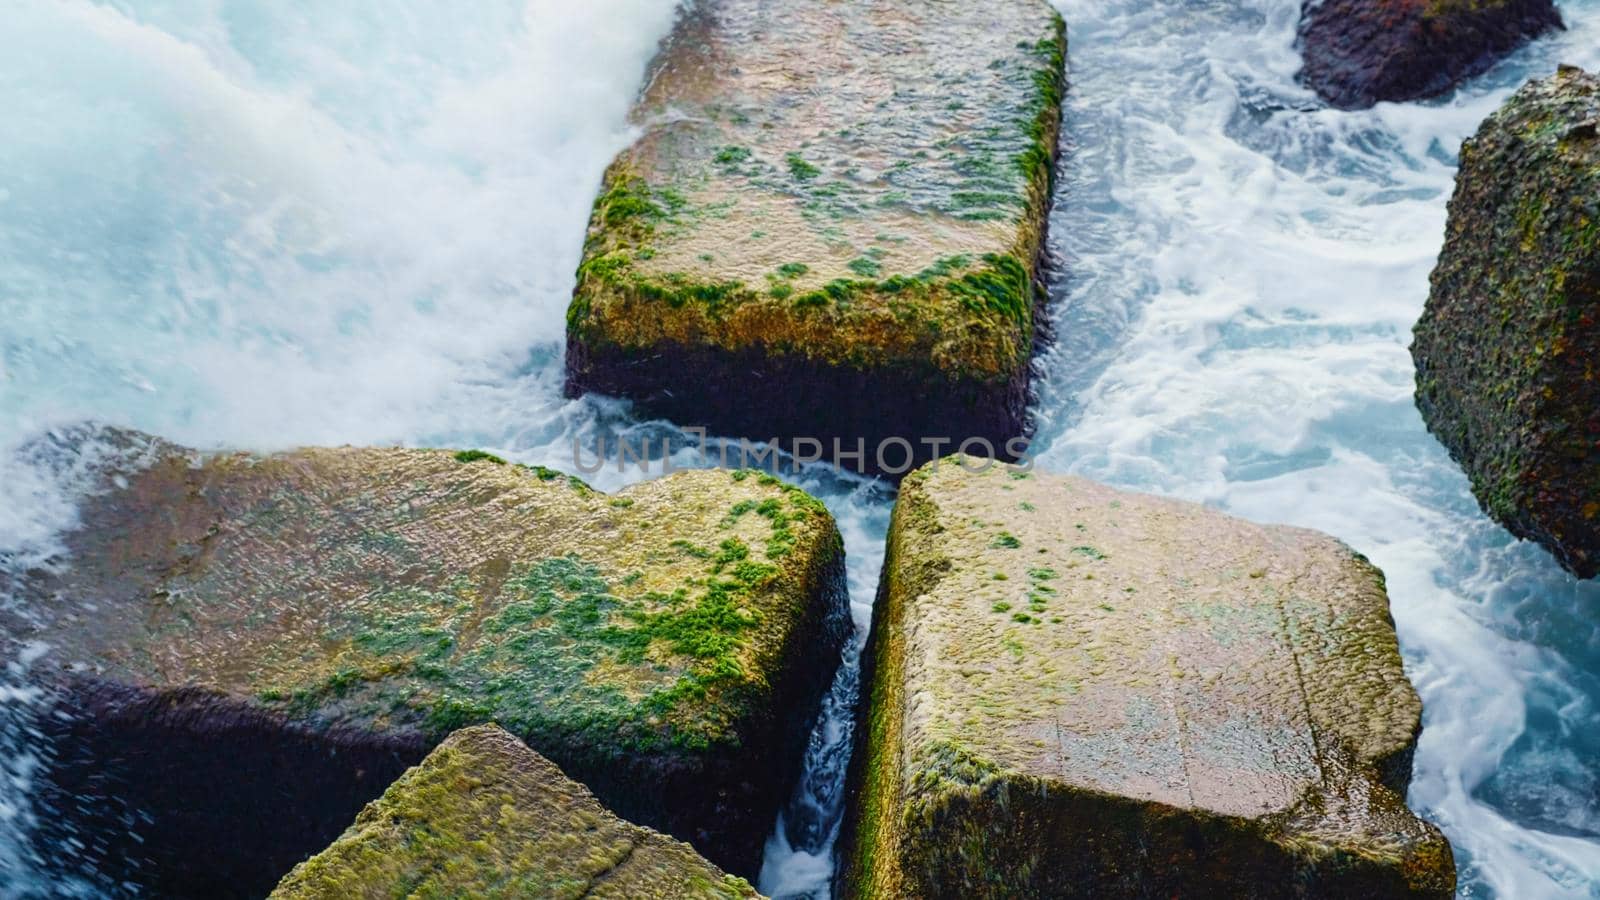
1077,691
831,225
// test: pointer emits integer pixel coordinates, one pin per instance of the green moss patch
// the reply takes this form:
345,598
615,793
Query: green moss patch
1220,704
564,652
484,816
968,148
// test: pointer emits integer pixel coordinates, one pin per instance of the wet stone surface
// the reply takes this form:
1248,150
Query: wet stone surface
1361,52
284,634
485,816
1509,343
840,204
1078,691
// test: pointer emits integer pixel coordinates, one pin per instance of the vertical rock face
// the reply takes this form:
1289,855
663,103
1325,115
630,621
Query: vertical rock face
832,224
1361,52
485,816
1508,348
246,649
1077,691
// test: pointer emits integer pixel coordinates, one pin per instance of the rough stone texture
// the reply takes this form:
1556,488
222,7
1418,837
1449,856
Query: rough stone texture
1078,691
247,649
1361,52
838,205
1508,347
484,816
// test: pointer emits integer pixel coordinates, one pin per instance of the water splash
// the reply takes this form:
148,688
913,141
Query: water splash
247,223
1258,262
799,858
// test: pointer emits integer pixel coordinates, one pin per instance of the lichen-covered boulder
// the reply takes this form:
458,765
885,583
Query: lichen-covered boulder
1077,691
246,649
485,816
831,226
1361,52
1508,347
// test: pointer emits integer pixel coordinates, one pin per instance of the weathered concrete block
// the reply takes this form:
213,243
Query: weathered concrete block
1082,692
484,816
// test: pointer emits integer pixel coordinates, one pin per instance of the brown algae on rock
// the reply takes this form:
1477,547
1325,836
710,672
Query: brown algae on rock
1155,699
842,201
358,605
1508,347
485,816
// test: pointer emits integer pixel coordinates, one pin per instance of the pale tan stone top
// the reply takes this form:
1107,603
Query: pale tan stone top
793,146
1153,649
432,588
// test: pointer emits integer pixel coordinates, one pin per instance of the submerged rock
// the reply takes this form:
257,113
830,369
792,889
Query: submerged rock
485,816
246,649
1361,52
1508,347
832,225
1077,691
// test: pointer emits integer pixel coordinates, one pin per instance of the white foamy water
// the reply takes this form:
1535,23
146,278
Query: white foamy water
259,224
1249,266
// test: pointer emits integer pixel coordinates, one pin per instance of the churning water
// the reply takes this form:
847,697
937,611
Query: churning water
254,223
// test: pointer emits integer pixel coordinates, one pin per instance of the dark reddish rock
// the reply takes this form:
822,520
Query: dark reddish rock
1508,347
1361,52
246,649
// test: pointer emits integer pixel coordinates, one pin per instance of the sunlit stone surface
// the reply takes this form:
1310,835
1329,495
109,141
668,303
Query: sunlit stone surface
831,226
246,649
1079,691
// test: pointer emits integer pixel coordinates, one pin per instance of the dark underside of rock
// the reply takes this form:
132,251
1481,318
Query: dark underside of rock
1508,347
245,796
246,650
782,398
195,794
1073,691
1361,52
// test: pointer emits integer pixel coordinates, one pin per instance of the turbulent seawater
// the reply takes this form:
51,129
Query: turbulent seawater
254,223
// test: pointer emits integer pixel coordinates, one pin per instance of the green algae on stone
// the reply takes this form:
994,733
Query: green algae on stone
560,620
665,644
484,816
467,456
1508,346
1201,706
870,145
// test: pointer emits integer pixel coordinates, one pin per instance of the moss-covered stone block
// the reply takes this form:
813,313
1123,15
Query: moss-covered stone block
1082,692
1361,52
246,649
831,226
1508,347
484,816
